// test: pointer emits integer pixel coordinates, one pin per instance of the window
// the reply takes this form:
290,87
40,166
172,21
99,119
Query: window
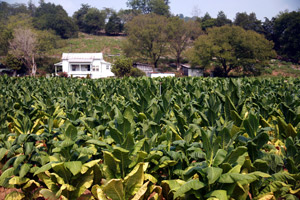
85,68
75,67
107,67
96,68
80,67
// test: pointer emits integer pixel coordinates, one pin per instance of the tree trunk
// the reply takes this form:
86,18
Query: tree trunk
33,67
178,63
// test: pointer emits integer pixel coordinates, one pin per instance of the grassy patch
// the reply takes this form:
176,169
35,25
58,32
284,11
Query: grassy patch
282,68
89,44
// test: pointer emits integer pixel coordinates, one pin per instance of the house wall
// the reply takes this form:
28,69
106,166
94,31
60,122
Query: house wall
195,72
103,67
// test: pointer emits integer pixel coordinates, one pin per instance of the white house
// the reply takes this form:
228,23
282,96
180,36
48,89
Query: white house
84,64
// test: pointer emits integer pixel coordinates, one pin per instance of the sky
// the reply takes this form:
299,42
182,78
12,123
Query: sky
262,8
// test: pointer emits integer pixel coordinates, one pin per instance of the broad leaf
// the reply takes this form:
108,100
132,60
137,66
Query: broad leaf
114,189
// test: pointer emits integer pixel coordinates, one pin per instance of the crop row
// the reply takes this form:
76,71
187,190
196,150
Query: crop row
197,138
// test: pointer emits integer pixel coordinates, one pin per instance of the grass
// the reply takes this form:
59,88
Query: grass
282,68
89,44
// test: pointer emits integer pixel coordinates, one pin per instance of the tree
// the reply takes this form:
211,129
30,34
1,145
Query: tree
122,67
23,47
114,25
287,35
222,19
94,21
232,47
248,22
207,22
49,16
78,16
181,35
160,7
14,63
147,37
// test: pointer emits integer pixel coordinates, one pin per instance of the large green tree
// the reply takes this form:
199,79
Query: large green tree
286,35
94,21
160,7
147,37
248,22
114,25
232,47
180,35
51,16
78,16
222,19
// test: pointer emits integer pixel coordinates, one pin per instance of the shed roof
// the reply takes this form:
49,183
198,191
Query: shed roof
82,56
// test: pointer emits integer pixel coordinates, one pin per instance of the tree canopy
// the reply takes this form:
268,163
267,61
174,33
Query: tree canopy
248,22
51,16
232,47
147,37
123,67
114,25
181,35
286,35
160,7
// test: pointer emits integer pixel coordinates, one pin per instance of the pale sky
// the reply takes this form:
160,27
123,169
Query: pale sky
262,8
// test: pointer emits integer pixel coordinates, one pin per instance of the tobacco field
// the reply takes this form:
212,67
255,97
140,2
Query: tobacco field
152,139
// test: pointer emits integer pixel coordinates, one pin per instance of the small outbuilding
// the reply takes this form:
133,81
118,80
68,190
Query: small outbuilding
187,70
84,65
146,68
162,75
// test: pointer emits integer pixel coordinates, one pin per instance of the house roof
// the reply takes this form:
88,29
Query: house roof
82,56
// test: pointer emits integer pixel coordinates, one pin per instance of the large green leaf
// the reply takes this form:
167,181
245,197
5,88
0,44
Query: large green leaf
71,132
141,192
81,183
111,161
219,157
3,151
44,168
251,125
114,189
98,192
134,180
74,166
213,174
217,194
192,185
6,174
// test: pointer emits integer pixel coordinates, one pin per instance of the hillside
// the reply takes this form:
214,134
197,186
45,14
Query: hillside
111,45
86,43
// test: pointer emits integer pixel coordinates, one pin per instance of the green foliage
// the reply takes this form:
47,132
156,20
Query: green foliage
51,16
147,37
160,7
122,67
114,25
286,35
232,47
138,138
14,63
248,22
180,35
94,21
